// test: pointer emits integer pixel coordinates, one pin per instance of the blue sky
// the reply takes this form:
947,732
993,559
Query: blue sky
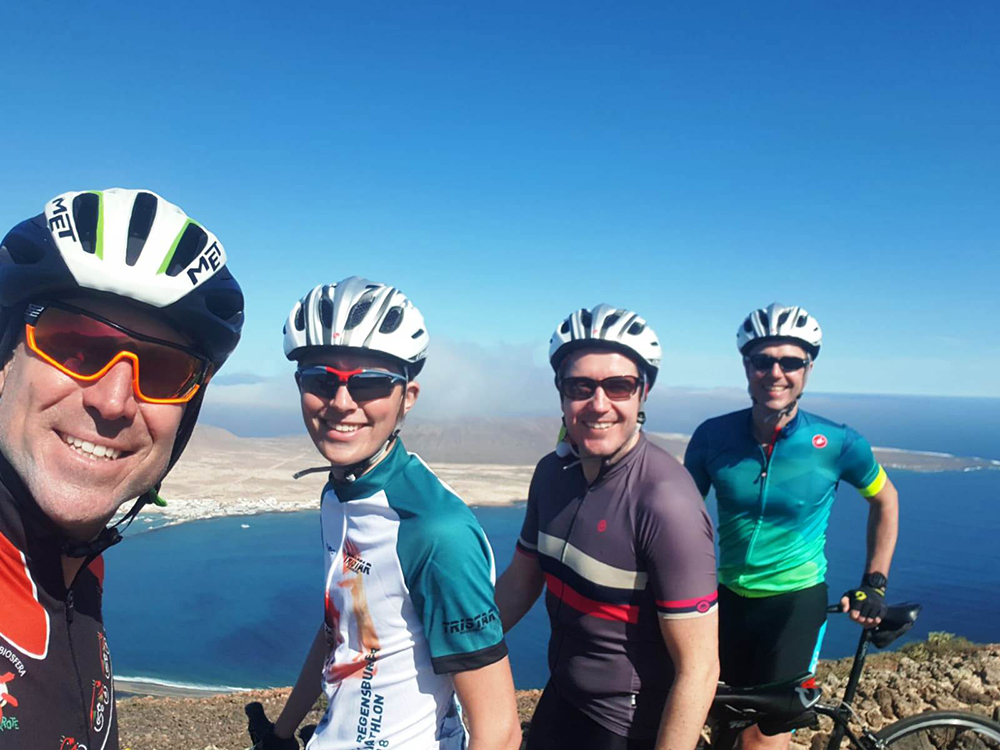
506,163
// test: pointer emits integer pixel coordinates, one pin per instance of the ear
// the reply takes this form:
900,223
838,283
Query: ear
410,396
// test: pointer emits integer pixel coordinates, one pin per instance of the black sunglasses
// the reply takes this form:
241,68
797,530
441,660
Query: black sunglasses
363,385
764,363
616,388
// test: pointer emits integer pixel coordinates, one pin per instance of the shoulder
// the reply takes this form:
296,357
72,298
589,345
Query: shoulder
835,432
719,428
662,482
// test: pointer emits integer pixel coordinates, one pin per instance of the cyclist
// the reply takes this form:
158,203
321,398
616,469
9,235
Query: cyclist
618,534
115,311
775,469
410,620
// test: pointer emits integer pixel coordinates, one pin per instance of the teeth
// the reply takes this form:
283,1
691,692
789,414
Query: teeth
345,428
92,450
598,425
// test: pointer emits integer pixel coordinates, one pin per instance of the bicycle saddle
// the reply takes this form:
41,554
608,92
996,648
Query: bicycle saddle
898,619
788,698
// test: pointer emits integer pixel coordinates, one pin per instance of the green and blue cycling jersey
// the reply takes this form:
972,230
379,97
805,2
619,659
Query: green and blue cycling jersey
774,510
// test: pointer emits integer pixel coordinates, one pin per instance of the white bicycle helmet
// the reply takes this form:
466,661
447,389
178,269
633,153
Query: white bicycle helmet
612,328
358,314
135,245
780,322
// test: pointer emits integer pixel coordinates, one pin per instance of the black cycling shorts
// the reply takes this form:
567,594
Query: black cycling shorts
771,638
558,725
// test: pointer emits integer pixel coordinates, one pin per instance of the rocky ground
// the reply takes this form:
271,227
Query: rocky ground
943,673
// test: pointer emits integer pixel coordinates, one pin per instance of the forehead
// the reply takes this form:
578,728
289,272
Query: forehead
598,363
341,360
779,349
131,316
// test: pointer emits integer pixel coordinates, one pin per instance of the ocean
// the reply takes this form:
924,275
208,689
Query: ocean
236,601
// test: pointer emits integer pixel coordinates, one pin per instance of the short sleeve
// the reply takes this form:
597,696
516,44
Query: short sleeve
858,465
451,586
675,539
695,461
527,541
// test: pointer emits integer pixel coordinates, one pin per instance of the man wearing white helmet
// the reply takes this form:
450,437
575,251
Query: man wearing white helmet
617,533
409,617
775,469
115,311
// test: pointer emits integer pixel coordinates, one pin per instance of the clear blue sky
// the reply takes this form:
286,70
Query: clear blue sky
504,163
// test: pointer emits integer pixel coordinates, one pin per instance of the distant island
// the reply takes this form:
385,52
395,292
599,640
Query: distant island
487,463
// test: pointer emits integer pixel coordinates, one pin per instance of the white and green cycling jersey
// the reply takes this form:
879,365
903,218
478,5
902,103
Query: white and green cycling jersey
409,602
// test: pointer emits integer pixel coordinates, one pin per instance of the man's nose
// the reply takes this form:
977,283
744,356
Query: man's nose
113,396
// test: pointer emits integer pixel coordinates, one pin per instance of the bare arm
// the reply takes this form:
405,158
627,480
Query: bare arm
487,697
883,529
518,588
306,691
693,644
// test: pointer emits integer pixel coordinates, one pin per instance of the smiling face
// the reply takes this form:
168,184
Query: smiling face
599,426
773,388
345,431
83,449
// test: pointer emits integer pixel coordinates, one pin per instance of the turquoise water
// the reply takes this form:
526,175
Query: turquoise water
212,603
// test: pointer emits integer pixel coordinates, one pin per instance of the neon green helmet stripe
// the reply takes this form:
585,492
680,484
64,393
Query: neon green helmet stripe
99,240
173,248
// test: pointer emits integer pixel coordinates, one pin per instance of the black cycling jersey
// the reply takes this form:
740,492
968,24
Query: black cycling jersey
56,687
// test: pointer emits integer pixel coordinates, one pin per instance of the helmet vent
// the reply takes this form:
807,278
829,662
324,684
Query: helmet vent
418,334
636,328
586,318
326,312
564,328
801,321
610,321
192,242
86,206
300,319
391,320
143,213
782,318
357,314
746,326
764,320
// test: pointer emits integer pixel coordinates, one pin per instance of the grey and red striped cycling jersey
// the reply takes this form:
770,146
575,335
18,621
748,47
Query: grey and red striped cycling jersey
634,546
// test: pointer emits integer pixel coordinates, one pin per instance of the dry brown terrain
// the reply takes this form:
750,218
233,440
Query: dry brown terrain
949,675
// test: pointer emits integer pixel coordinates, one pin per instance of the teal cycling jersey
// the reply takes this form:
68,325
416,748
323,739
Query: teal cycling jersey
774,509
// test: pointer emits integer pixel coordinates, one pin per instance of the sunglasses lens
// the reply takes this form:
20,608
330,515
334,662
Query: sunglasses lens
368,386
318,382
764,363
84,346
577,389
620,388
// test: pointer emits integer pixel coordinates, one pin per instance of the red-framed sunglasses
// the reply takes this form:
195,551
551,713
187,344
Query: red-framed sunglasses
85,346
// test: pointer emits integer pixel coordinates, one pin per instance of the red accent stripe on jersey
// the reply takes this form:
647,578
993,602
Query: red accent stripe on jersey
23,621
579,602
699,604
97,568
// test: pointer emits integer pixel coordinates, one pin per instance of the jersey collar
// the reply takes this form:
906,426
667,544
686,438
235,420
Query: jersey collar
374,480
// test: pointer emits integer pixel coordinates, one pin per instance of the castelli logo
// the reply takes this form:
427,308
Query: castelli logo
819,441
602,525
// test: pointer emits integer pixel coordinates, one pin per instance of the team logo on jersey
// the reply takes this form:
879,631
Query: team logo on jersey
102,647
100,702
7,723
470,624
68,743
819,441
602,526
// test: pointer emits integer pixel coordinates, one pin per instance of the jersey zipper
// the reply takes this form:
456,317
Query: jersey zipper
766,455
72,653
